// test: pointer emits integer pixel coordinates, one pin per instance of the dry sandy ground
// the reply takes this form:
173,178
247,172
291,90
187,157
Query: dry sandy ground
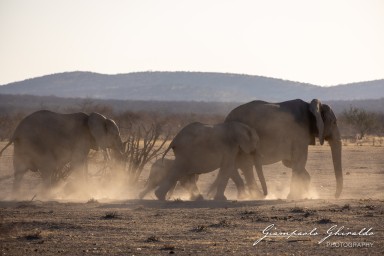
115,223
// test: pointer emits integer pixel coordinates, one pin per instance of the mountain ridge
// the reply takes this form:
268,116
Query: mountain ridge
187,86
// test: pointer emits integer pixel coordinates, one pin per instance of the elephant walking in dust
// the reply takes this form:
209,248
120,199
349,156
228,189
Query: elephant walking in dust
285,130
160,170
46,141
201,148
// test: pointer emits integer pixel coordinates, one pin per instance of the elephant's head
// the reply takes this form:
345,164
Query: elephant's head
105,132
328,130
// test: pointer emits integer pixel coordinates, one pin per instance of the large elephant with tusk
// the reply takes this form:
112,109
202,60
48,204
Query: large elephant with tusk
286,129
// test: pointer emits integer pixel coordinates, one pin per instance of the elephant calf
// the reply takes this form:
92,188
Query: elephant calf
201,148
160,169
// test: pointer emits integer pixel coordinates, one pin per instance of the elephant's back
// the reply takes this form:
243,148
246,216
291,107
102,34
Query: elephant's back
252,112
192,132
44,122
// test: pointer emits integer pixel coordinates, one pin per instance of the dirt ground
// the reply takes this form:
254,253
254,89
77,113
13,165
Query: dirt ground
105,218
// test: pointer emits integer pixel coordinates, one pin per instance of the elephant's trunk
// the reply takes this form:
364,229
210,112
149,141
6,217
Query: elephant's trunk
119,149
336,157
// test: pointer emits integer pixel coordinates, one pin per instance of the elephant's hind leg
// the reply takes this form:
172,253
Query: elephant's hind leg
189,183
20,168
163,189
150,185
168,184
171,190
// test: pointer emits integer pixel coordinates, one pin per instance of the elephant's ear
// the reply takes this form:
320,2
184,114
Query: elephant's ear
112,127
248,139
315,108
98,129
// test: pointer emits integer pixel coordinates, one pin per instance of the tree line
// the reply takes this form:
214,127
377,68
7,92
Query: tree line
353,118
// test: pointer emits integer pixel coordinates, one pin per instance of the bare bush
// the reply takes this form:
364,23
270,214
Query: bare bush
8,123
362,121
143,145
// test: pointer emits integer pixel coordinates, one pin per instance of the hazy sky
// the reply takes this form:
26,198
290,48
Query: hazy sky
324,42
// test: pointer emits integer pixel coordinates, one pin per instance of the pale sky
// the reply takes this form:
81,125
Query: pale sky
324,42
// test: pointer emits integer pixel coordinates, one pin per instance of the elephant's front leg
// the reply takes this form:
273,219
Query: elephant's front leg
300,177
299,184
227,167
79,166
245,163
236,178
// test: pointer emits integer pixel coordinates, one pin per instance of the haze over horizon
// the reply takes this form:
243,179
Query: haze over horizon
321,43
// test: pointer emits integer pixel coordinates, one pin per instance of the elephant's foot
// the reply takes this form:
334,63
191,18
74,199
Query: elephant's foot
242,195
298,193
256,194
298,196
160,195
198,197
293,196
299,188
211,193
169,195
142,194
220,198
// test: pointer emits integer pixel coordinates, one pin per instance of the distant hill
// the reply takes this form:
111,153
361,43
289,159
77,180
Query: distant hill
187,86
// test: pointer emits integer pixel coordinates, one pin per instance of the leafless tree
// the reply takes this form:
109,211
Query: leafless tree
143,145
361,120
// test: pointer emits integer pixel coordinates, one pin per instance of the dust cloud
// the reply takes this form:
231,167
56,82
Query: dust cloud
101,183
363,172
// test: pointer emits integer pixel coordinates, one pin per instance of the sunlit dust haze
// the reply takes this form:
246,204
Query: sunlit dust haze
320,42
102,184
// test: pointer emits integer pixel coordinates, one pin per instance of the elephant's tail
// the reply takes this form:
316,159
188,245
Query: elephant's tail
9,143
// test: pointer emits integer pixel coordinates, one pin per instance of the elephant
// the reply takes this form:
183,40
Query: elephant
158,173
160,170
201,148
286,129
46,141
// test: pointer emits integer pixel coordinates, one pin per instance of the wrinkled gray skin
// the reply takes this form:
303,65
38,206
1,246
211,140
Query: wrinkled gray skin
201,148
46,141
160,170
286,129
